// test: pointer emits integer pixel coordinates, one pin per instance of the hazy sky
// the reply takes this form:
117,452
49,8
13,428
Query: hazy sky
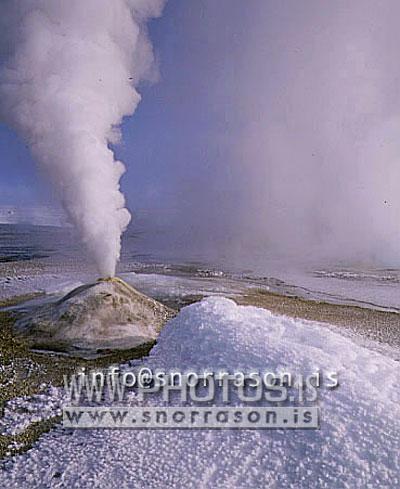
273,123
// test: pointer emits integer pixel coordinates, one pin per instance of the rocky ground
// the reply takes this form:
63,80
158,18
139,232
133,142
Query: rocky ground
24,372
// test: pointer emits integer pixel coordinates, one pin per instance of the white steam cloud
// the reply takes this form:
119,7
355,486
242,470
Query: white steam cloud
303,162
68,79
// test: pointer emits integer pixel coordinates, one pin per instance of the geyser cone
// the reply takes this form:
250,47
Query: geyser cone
104,315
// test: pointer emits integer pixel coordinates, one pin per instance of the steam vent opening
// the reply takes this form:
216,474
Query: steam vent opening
95,318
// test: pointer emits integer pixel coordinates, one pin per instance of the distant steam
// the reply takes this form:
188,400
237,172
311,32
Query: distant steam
68,78
300,158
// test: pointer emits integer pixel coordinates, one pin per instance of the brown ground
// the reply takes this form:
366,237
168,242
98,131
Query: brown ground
377,325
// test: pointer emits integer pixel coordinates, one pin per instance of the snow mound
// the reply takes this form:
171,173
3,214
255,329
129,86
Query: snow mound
357,447
107,314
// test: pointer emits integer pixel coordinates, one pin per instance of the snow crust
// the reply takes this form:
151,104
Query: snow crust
358,445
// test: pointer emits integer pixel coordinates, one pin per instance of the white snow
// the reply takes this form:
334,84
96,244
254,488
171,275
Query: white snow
23,411
358,445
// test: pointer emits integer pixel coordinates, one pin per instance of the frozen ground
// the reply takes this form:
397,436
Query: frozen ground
376,289
48,259
358,445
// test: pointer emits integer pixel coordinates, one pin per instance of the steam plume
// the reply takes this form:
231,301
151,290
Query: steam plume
68,78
